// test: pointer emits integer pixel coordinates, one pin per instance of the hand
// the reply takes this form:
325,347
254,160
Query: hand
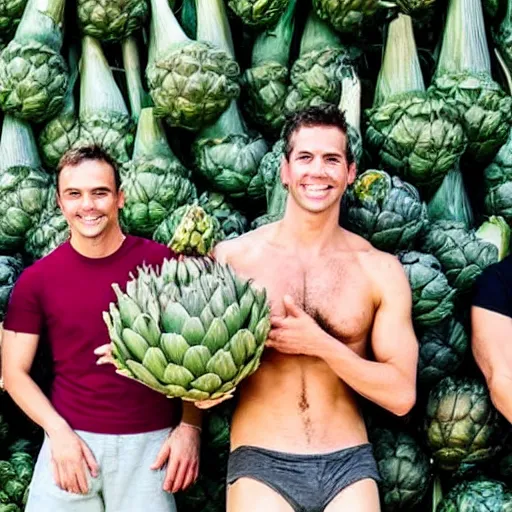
71,459
105,353
208,404
181,453
296,332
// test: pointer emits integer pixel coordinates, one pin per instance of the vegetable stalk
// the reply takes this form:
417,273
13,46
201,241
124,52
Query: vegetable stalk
213,26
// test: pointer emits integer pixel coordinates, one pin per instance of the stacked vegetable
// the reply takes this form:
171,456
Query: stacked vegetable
189,97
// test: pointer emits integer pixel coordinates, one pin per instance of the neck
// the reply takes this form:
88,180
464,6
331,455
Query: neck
100,247
310,232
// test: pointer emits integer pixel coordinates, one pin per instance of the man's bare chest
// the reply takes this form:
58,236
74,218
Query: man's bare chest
337,296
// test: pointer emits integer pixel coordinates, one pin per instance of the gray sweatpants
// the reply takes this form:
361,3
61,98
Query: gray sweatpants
125,482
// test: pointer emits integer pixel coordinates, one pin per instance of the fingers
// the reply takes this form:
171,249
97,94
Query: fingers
170,474
90,460
291,308
277,322
81,478
179,478
162,457
103,350
56,474
68,477
191,477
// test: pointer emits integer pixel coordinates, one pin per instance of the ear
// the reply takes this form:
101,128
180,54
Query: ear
352,173
120,198
57,198
285,171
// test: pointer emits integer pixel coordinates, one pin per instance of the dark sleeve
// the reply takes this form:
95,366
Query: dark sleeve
492,292
24,312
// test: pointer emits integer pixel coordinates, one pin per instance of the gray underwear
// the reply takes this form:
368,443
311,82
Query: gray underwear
307,482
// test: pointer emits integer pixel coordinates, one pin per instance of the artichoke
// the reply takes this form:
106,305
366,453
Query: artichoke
432,295
49,232
10,16
497,232
350,105
191,82
404,469
480,495
266,81
104,118
10,269
409,133
155,183
228,157
461,424
463,80
451,202
232,222
349,18
189,230
462,254
317,74
193,330
498,183
503,36
443,348
23,185
385,210
63,131
256,13
33,74
111,20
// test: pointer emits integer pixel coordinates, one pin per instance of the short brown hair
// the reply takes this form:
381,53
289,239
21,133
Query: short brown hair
322,115
75,156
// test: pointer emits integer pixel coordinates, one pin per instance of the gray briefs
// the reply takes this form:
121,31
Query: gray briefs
307,482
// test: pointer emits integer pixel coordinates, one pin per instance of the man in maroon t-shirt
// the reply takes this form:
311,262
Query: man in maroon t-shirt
108,438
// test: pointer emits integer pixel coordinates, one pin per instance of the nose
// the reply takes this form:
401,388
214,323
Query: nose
87,202
318,168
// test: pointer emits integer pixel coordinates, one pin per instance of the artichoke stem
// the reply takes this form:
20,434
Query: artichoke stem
350,102
464,47
98,89
131,63
273,45
213,26
17,145
150,139
317,35
165,31
401,70
42,22
229,123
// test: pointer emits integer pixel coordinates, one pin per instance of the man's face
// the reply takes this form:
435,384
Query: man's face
317,173
88,199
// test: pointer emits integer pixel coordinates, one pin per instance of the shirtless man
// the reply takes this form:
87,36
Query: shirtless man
298,440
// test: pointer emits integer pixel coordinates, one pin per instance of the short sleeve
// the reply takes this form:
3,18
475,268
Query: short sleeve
492,291
24,311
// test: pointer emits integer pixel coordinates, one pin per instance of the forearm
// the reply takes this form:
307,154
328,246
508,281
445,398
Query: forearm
33,402
380,382
191,414
499,389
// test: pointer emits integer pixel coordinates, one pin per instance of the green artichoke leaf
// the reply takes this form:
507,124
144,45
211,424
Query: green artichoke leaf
223,365
208,383
496,231
256,13
216,337
155,361
232,222
174,318
10,269
196,358
242,346
135,343
174,346
177,375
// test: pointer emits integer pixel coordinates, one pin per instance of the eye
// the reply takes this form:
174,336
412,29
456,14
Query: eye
73,194
100,193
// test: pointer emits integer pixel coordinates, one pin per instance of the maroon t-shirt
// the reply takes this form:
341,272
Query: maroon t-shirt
62,298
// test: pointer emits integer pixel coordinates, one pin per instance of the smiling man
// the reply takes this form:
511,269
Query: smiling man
298,438
107,438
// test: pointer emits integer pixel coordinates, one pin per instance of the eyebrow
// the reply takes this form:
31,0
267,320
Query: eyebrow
97,189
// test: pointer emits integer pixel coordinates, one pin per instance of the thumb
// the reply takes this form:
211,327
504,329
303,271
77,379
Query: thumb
162,457
291,308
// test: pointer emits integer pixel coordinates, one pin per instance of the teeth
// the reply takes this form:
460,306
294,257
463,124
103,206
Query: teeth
316,187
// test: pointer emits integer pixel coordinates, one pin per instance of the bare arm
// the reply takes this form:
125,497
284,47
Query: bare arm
390,381
491,335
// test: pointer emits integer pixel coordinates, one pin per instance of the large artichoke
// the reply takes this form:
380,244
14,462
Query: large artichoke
23,185
463,80
410,133
104,118
480,495
266,81
432,295
317,74
49,232
33,74
461,424
189,230
193,330
155,183
257,13
498,183
191,82
442,350
10,269
228,157
111,20
462,254
232,222
385,210
404,468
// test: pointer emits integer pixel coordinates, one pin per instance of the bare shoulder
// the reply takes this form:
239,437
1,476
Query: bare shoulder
242,247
